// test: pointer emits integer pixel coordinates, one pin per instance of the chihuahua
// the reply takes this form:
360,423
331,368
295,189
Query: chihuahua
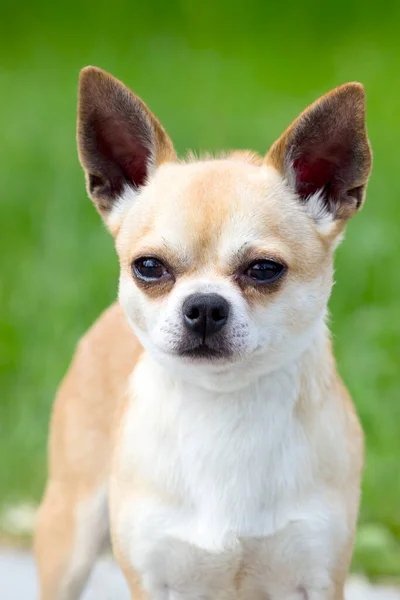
202,421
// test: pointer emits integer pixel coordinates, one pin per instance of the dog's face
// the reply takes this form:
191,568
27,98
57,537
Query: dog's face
228,261
219,262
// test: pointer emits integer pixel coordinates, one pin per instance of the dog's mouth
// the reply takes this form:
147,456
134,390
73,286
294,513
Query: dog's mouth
204,352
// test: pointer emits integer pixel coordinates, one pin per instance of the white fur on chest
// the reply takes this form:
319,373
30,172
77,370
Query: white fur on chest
236,464
223,468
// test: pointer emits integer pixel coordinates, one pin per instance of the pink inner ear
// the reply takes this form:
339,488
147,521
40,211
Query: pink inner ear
313,174
136,164
129,152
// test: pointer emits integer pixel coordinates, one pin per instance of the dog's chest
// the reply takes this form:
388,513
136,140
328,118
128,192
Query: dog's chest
234,463
235,484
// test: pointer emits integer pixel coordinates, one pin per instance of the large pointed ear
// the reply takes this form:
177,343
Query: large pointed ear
120,142
325,154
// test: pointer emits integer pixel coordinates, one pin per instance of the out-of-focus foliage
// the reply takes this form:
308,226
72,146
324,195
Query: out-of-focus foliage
218,74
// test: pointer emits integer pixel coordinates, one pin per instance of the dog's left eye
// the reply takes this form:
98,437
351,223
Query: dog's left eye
264,271
149,269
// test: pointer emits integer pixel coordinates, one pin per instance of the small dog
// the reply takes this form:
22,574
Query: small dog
217,439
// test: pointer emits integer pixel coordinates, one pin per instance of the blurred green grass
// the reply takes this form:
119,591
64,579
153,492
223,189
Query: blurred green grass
218,74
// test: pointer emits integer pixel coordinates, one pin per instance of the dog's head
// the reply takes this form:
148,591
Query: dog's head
225,262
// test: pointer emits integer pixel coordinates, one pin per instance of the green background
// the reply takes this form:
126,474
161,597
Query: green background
218,74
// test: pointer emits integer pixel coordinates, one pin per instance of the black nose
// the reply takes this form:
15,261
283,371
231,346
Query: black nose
205,314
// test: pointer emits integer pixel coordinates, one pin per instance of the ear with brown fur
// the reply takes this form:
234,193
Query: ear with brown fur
326,152
120,142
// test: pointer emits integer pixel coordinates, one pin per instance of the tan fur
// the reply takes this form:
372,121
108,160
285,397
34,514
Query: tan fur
80,445
206,220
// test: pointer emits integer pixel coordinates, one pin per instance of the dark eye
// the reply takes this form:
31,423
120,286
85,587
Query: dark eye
264,271
149,269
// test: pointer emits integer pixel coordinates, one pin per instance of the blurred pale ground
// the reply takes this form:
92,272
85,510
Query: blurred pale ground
19,580
218,74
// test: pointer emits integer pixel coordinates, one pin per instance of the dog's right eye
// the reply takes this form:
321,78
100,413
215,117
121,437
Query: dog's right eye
148,268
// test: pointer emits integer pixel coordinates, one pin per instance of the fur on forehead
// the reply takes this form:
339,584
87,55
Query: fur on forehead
325,222
131,195
205,209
